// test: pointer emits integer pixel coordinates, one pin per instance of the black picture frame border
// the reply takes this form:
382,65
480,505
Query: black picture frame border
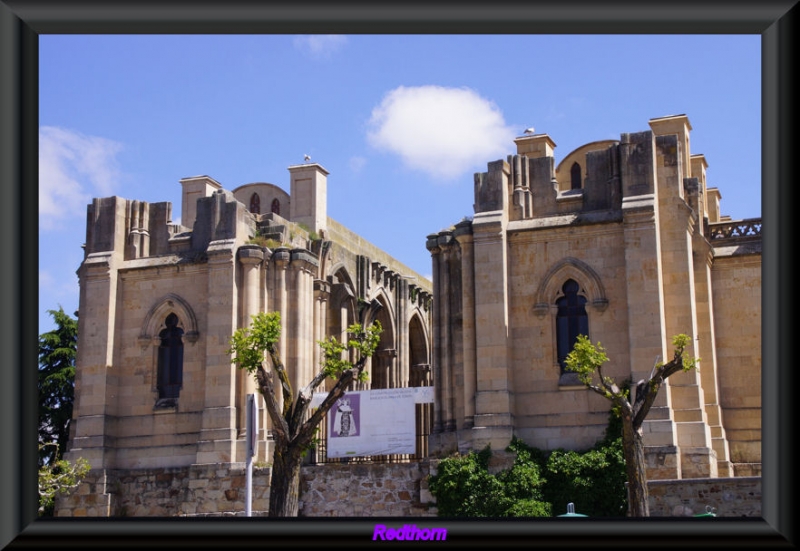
22,21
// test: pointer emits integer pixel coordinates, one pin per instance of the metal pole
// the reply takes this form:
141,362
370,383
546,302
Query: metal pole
251,444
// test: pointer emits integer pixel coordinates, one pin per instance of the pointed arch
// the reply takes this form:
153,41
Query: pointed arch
571,320
550,288
384,361
387,313
169,368
418,351
155,320
343,294
341,275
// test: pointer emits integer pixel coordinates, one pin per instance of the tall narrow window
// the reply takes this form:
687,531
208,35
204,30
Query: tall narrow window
571,320
170,362
575,176
276,206
255,204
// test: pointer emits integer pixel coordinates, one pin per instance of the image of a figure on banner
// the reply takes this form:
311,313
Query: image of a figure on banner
345,421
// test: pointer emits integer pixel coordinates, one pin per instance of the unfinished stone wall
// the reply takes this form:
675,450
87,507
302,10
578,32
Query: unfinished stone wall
356,244
345,490
198,490
374,490
398,489
729,497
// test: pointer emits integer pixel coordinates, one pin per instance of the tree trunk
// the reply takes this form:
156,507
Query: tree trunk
284,487
635,467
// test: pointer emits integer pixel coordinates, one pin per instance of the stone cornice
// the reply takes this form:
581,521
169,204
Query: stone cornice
281,256
251,254
463,231
221,248
305,260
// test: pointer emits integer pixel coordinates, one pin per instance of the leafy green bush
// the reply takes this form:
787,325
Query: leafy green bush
464,487
538,484
594,481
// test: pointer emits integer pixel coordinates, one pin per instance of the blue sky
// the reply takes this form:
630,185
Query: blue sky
401,122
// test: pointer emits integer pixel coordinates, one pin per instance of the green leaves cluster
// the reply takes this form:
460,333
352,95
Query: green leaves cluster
585,359
362,342
248,344
58,478
464,487
56,384
56,389
539,484
594,480
680,342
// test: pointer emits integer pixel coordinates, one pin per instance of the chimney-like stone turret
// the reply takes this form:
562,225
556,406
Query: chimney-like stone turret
309,196
194,188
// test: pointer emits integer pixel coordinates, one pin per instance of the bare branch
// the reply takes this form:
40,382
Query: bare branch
598,389
268,392
283,377
315,382
337,391
655,367
609,386
673,366
646,392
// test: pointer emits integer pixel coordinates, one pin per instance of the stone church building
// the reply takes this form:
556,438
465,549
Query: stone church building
155,387
622,241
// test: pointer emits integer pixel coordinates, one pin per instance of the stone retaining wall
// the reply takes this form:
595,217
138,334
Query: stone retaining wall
346,490
730,497
366,490
198,490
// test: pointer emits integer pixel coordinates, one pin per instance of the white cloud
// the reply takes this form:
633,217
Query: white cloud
73,168
320,45
445,132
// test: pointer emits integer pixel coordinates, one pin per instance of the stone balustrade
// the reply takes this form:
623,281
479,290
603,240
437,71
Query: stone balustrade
748,228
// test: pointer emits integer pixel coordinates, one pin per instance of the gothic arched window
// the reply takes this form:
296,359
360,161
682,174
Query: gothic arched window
575,176
255,204
571,320
276,206
170,362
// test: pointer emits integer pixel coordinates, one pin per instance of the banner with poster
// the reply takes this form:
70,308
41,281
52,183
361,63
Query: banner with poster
374,422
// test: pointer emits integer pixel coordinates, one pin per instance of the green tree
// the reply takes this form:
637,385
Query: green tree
294,426
56,385
587,361
58,477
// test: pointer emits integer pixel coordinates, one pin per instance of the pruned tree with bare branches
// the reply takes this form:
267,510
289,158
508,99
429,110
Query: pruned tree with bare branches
587,360
294,424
